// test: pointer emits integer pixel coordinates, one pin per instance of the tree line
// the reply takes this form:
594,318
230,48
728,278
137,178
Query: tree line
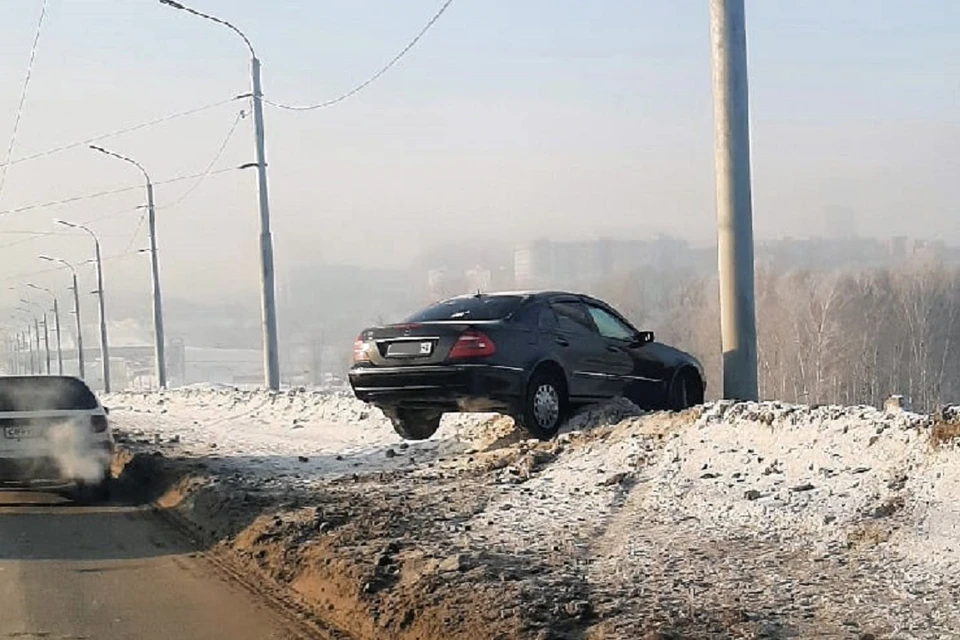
824,337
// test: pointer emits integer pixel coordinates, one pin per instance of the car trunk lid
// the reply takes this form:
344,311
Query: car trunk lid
413,344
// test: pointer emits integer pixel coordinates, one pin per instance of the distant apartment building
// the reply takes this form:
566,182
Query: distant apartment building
545,263
445,283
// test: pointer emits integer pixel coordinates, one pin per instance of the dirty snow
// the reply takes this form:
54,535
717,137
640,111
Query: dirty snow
299,435
754,518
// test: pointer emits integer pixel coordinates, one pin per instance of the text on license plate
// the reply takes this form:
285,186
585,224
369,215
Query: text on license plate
410,348
20,432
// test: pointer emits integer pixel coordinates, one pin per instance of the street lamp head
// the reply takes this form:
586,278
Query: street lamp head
182,7
118,156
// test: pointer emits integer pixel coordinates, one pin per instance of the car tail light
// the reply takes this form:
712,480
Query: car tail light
472,344
98,423
361,350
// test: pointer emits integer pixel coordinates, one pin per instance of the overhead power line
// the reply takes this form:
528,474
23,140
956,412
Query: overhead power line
136,231
23,94
40,272
363,85
216,158
36,235
111,134
100,194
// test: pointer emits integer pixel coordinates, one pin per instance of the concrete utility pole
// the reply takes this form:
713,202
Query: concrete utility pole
104,343
28,358
76,313
738,323
46,340
33,352
56,324
46,332
271,358
21,355
158,337
36,331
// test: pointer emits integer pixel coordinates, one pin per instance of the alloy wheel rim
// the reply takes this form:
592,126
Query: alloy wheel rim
546,406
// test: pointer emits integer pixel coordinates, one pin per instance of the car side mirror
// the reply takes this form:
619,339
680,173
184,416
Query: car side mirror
643,337
106,410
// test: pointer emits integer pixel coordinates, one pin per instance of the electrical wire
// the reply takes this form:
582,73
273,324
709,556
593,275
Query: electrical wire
109,192
136,231
61,267
53,232
363,85
206,172
23,94
118,132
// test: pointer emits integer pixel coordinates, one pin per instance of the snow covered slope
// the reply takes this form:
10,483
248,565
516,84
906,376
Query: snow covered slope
726,520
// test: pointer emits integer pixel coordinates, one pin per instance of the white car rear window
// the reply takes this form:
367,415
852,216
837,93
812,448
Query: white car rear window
45,393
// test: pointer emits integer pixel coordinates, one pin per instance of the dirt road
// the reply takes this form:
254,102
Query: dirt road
114,572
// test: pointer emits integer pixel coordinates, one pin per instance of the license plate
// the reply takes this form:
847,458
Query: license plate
410,348
20,432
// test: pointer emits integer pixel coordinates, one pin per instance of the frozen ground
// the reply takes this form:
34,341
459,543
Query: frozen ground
731,520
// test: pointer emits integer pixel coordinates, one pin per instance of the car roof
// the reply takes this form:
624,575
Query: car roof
529,293
40,376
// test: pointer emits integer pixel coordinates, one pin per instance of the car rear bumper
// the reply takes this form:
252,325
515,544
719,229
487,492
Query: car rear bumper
36,472
459,387
45,468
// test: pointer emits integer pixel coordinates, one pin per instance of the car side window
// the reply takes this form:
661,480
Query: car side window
609,325
547,320
528,315
572,316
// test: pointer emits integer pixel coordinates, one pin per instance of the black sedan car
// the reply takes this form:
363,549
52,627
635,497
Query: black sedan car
531,355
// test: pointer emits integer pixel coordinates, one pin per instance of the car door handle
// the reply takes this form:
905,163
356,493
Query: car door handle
613,349
563,342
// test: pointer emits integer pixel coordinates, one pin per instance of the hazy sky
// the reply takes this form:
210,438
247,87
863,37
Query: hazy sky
511,119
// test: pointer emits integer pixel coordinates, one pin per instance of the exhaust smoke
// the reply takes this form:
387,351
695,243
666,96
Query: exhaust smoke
76,452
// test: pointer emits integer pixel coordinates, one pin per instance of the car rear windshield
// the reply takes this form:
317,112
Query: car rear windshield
478,307
45,393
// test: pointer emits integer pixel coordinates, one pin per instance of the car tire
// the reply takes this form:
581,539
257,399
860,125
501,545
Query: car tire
686,390
414,424
544,406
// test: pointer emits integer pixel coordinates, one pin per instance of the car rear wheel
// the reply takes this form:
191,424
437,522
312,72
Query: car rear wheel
544,406
414,424
686,390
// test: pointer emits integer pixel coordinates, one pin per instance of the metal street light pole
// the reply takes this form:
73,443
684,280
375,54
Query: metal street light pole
28,338
104,344
46,332
158,336
33,352
56,321
76,313
46,340
24,351
271,358
21,357
36,332
738,322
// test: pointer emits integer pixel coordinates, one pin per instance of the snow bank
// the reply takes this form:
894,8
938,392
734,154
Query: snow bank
298,435
829,520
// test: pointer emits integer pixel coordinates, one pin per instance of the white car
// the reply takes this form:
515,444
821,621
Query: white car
55,435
